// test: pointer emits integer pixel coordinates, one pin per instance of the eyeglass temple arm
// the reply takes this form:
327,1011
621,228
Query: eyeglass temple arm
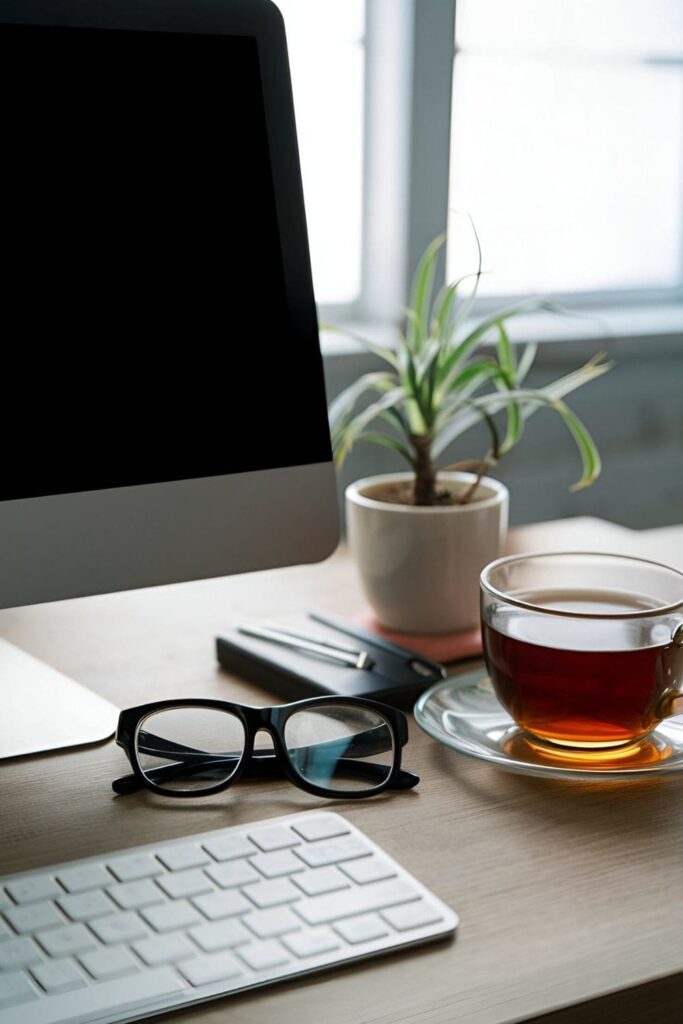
371,741
260,765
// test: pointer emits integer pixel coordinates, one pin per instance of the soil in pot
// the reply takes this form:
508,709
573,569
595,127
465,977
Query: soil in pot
400,492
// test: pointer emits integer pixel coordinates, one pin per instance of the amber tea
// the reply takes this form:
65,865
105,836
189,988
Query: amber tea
589,683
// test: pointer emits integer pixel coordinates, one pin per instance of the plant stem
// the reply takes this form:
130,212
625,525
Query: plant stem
470,492
424,492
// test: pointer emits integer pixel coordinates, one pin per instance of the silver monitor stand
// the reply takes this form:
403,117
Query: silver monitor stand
44,710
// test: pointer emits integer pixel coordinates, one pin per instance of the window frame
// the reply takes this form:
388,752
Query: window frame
403,211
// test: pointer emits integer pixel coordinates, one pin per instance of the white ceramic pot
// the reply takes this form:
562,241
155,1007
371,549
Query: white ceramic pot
420,565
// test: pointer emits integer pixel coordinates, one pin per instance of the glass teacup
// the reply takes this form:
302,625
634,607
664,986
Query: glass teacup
585,651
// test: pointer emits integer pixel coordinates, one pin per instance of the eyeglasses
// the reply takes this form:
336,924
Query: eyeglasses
330,746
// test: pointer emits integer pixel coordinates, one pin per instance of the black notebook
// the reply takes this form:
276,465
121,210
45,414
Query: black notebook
398,675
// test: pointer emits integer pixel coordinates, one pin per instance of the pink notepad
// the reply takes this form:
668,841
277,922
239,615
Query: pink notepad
441,647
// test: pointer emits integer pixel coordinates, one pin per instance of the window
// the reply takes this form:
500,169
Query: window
326,51
562,138
567,144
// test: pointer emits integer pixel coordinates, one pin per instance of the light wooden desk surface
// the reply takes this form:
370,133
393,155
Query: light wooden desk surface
567,892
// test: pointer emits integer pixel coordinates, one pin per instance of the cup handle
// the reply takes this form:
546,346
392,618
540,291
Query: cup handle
668,703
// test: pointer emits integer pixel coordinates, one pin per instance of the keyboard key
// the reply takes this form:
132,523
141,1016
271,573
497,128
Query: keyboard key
58,976
84,906
168,917
414,915
114,962
89,876
268,924
229,847
37,887
369,869
217,905
376,896
4,899
33,917
320,880
277,863
15,988
134,895
134,867
233,873
261,956
5,931
64,941
165,949
272,893
332,851
108,998
119,928
322,826
362,929
207,970
278,837
179,858
220,935
312,942
18,953
180,884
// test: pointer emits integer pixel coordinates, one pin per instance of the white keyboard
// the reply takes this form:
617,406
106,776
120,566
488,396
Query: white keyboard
153,928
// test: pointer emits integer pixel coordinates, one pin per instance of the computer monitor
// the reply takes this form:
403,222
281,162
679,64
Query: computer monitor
164,414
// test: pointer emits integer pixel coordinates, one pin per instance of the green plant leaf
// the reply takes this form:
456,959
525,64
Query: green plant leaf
459,420
411,387
590,457
449,367
389,442
515,424
456,357
394,417
426,365
443,308
421,293
526,361
342,407
386,354
492,321
595,367
346,437
515,427
453,410
506,356
463,313
473,376
425,360
412,331
493,431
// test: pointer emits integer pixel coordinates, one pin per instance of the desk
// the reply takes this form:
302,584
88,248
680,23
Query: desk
568,893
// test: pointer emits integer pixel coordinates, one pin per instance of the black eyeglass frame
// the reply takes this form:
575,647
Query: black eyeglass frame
267,764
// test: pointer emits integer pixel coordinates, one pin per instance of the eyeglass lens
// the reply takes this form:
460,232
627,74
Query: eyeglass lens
335,747
190,748
340,747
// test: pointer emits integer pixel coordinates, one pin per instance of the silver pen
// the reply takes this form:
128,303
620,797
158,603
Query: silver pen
321,646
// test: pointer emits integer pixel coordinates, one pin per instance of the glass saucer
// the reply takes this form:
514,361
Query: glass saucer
464,713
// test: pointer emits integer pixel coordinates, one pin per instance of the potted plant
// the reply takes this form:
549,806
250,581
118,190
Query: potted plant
422,537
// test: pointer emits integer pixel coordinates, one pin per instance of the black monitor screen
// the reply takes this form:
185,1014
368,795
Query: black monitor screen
145,329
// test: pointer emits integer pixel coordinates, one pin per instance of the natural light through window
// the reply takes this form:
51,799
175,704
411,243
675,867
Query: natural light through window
326,54
567,144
